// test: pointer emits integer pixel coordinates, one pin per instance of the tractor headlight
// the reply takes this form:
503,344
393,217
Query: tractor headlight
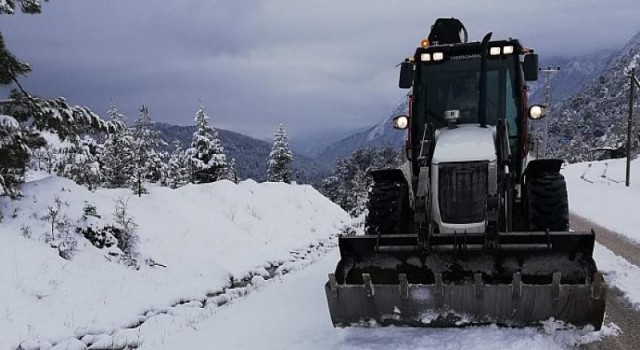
401,122
438,56
425,57
501,50
537,112
452,116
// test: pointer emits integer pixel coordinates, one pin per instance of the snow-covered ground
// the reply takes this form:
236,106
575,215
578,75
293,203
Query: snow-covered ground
597,192
291,313
204,234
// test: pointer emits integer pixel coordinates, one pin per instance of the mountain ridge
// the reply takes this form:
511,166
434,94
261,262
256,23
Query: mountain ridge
595,118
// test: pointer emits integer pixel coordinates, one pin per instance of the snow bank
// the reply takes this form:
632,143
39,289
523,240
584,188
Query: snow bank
203,234
597,192
619,273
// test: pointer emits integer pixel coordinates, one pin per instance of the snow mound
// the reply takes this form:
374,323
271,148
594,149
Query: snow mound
196,237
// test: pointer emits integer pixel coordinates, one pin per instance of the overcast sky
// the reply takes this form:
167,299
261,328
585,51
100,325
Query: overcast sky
312,64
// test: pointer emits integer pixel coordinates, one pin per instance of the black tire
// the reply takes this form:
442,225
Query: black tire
548,203
388,207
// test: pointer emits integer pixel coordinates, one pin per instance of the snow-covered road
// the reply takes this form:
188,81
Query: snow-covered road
208,236
621,276
291,313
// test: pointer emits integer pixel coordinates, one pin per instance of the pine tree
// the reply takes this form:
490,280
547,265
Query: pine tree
14,152
160,166
32,114
27,6
79,162
53,115
13,156
43,159
349,183
280,158
148,160
117,157
206,154
178,175
231,173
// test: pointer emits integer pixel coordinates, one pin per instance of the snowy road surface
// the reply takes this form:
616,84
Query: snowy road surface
620,308
291,313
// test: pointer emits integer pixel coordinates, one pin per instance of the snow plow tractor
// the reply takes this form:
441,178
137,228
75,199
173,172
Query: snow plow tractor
468,230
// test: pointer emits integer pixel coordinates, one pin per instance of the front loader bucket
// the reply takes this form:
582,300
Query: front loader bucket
396,284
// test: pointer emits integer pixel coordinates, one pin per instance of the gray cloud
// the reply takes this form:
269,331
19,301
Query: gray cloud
313,65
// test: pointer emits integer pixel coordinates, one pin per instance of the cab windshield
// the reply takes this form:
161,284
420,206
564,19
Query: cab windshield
455,85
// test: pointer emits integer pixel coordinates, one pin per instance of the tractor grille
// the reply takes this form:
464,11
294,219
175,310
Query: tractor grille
462,192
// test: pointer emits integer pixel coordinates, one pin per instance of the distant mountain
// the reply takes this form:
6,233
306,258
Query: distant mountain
313,145
595,119
379,135
574,74
250,154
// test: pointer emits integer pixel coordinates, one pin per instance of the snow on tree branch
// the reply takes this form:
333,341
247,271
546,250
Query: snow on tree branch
206,154
280,158
26,6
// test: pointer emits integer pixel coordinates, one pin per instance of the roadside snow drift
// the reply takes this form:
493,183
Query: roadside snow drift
192,242
597,192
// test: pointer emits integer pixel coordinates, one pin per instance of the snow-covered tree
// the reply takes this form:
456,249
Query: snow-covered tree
79,162
13,156
25,116
280,158
117,155
27,6
231,173
206,154
54,115
148,160
178,167
158,165
44,158
14,152
349,183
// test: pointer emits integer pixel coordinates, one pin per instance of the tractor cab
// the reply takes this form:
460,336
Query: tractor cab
478,83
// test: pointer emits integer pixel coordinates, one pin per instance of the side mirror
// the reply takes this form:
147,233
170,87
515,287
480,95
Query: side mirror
537,112
401,122
406,75
530,67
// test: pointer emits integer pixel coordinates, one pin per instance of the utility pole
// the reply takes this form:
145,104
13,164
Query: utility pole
633,84
548,73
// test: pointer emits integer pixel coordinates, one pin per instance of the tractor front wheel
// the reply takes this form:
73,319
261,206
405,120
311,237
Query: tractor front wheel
387,207
548,203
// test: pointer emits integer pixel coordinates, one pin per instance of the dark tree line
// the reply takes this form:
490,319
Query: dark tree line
349,182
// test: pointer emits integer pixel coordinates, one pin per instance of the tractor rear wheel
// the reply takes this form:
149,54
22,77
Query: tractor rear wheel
388,207
548,203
